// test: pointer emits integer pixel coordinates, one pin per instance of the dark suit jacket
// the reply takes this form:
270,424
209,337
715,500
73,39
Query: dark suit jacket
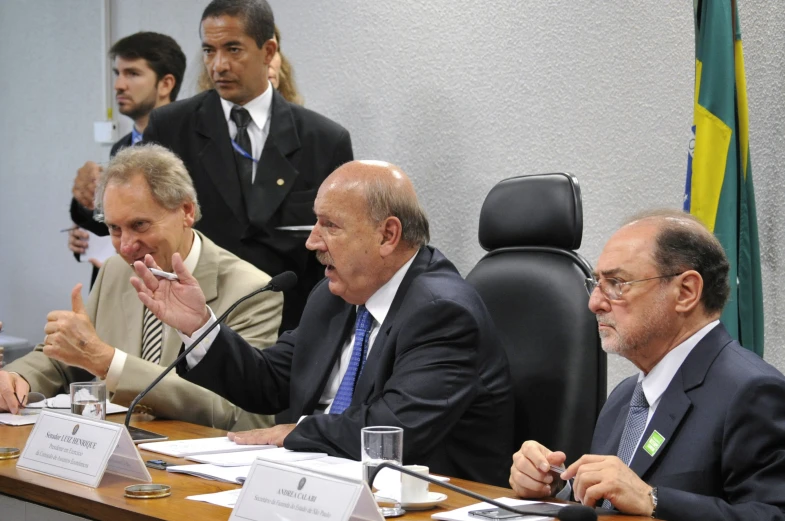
437,368
302,149
723,420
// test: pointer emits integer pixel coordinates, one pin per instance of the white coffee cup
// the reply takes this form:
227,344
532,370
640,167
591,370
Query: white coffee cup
414,490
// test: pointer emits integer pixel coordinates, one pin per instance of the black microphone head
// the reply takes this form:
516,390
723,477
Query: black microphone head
577,513
283,281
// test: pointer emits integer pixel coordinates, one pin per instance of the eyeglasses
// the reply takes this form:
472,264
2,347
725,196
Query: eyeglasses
35,402
613,288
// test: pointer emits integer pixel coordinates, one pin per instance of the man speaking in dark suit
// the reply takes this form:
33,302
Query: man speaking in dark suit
699,433
256,160
392,336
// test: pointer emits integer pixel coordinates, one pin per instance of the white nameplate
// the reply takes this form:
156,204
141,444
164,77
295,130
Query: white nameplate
288,493
80,449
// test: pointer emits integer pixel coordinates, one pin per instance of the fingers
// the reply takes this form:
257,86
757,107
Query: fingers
78,240
148,281
77,305
13,391
572,470
95,262
178,266
530,475
272,436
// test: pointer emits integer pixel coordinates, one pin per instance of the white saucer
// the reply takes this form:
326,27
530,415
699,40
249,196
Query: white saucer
434,498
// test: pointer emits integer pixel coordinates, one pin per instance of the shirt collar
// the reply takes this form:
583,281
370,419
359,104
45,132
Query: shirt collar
658,379
258,108
379,303
136,136
192,259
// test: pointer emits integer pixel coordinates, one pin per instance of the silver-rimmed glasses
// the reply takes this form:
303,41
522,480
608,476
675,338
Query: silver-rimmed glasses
35,402
613,289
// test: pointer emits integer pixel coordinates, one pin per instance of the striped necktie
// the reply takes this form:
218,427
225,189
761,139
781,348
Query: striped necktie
152,337
633,429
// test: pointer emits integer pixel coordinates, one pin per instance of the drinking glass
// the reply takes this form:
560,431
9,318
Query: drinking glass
379,445
89,399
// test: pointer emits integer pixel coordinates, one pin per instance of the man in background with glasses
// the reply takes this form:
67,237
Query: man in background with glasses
699,432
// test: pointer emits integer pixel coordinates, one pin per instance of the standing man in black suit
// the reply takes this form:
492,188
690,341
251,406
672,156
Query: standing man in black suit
699,433
149,69
392,336
256,160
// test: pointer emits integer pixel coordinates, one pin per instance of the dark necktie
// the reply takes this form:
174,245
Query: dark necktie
242,119
633,429
362,330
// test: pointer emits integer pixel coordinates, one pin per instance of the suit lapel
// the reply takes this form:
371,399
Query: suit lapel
338,330
216,154
669,414
675,402
275,176
365,385
131,314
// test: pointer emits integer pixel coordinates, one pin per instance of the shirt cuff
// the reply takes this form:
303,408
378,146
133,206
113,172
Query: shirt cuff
195,356
112,379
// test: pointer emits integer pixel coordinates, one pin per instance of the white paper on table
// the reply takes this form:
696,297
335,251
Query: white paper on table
183,448
462,514
98,248
60,402
63,401
238,459
227,498
6,418
214,472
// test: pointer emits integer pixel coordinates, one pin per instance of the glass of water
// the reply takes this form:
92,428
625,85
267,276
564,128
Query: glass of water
89,399
380,445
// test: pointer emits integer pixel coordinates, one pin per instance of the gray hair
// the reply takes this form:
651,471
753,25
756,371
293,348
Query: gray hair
165,173
385,201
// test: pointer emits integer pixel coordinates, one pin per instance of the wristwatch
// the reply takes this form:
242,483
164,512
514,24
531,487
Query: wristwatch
653,496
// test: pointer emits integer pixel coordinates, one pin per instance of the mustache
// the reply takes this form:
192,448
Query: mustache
324,258
605,321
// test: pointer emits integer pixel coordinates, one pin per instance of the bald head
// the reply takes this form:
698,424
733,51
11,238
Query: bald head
681,243
388,192
368,225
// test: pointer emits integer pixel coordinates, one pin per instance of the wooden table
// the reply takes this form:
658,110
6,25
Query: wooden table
108,502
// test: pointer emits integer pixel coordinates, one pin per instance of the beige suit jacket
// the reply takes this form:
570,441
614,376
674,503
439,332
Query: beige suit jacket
116,312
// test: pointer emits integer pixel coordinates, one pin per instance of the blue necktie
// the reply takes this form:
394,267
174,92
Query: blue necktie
633,429
362,330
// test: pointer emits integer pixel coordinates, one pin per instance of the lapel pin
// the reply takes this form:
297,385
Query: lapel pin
280,182
654,443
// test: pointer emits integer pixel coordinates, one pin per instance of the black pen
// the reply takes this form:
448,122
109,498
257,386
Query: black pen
69,229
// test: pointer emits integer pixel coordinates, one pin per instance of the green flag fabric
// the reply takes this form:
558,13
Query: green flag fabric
719,173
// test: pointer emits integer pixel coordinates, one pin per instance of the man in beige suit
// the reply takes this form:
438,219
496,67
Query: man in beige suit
149,205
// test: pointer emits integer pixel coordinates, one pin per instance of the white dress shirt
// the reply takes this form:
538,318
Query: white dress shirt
118,360
378,306
260,109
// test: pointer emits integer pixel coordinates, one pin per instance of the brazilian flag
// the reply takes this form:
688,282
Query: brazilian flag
719,174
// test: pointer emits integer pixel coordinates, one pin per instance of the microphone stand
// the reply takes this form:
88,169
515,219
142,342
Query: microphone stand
280,282
478,497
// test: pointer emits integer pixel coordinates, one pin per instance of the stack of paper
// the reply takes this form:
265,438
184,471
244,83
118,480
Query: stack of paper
184,448
239,459
60,402
214,472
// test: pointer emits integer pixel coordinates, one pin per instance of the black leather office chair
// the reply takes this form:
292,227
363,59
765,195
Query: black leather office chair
532,281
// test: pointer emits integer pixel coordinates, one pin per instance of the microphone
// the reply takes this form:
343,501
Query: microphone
281,282
566,513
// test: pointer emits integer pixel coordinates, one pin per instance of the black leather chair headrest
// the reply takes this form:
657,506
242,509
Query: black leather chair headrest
533,210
